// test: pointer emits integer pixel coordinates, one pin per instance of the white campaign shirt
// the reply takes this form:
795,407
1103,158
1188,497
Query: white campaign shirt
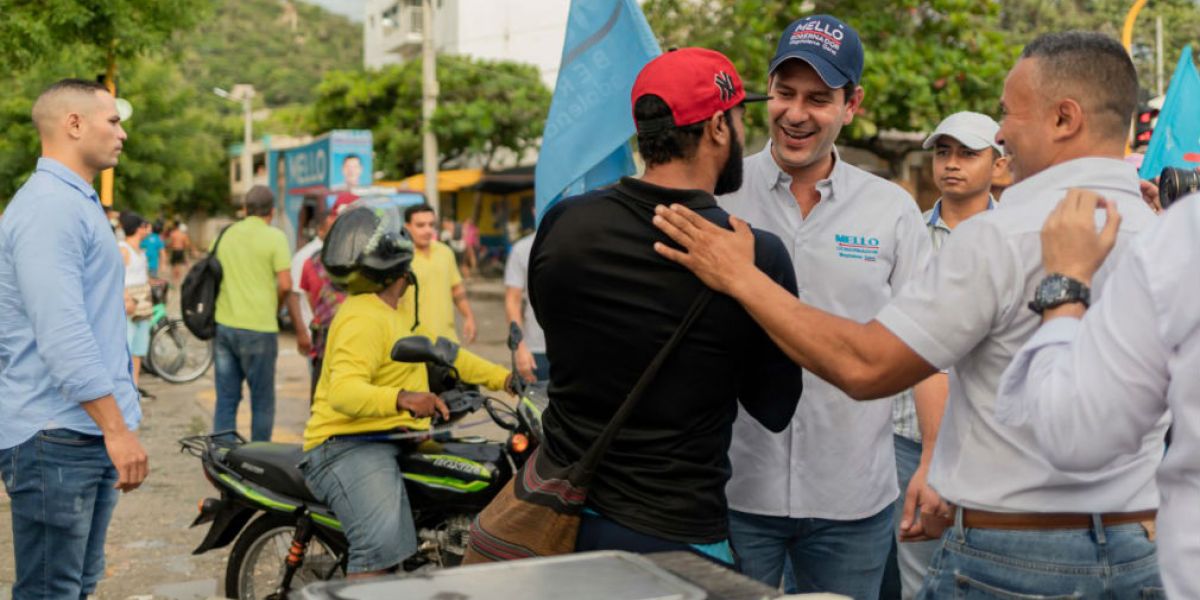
516,272
859,244
969,311
1097,390
305,252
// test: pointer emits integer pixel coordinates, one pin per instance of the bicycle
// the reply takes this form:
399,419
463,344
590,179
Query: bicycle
175,354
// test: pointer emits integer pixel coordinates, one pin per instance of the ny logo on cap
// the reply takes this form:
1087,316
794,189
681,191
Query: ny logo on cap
724,85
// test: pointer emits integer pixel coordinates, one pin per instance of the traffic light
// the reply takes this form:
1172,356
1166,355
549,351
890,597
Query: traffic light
1147,116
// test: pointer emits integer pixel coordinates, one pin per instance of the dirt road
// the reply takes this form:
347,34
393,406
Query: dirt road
149,542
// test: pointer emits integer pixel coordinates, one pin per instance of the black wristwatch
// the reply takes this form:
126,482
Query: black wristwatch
1056,290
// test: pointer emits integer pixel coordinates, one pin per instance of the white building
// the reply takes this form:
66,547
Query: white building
527,31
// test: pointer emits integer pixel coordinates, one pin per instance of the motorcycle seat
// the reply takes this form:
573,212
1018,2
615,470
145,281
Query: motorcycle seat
273,466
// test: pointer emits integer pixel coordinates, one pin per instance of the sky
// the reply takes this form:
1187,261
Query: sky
349,8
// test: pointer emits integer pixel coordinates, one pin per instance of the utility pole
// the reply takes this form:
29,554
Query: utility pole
1158,53
110,81
429,95
247,136
244,93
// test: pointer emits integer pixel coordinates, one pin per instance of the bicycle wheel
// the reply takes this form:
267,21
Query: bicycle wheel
178,356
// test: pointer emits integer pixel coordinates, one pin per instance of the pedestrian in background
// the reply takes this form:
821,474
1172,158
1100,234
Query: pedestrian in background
440,289
179,245
256,279
967,161
137,288
471,247
68,403
155,248
532,363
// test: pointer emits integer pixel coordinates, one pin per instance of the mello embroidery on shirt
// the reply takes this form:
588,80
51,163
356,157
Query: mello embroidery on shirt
857,247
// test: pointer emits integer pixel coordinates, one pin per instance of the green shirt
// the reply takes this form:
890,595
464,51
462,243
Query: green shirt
251,253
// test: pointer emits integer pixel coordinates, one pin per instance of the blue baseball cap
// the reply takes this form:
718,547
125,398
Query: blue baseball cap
829,45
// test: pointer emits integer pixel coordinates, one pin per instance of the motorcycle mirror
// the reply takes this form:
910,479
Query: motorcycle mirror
415,349
514,335
446,351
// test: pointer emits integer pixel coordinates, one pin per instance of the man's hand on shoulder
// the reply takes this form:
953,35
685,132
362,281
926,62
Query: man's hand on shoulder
1071,245
719,257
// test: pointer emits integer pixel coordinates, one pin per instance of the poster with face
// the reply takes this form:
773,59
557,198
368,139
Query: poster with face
304,176
352,170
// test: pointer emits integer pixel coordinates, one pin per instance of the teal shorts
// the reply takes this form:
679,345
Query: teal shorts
138,336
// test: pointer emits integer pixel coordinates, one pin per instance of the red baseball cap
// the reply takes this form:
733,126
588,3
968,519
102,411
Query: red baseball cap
694,82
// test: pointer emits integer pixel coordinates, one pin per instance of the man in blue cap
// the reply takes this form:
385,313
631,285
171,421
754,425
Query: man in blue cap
821,491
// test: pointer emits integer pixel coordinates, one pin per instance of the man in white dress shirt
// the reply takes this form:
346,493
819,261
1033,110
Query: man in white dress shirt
1022,527
1091,388
821,492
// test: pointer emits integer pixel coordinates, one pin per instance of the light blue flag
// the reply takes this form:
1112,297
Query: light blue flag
1176,138
585,144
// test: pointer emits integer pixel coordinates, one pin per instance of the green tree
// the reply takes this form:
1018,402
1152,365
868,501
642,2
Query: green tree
484,107
33,29
174,159
1025,19
925,59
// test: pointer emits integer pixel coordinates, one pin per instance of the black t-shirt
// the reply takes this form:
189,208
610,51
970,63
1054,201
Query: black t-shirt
608,302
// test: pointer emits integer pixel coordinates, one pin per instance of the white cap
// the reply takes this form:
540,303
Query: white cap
973,130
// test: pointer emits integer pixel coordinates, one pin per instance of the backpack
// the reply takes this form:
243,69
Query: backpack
198,294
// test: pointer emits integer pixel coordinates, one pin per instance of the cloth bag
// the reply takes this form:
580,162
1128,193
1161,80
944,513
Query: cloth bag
143,305
537,513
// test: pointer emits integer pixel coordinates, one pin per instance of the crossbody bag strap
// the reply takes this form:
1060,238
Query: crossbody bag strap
217,244
586,467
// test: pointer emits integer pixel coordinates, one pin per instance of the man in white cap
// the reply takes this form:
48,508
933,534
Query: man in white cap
966,160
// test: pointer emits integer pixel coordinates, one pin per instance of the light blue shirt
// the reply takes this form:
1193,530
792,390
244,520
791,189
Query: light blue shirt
62,309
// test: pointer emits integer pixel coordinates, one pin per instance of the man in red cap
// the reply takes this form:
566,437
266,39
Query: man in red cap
608,303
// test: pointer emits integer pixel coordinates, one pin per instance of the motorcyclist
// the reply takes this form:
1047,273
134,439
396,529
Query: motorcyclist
361,390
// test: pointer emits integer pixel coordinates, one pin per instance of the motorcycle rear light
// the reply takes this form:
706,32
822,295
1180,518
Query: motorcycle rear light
519,443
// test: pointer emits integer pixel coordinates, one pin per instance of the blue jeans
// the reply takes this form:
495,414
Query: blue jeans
844,557
908,561
362,483
598,532
61,485
1101,562
244,355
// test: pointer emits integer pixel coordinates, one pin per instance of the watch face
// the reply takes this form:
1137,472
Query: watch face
1053,288
1056,290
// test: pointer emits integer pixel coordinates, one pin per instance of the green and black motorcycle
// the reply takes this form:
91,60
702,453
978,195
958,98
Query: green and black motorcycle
283,538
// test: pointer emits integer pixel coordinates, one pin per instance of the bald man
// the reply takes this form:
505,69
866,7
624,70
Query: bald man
69,404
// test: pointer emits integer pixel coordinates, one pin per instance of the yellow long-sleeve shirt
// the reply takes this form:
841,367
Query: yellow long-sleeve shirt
359,380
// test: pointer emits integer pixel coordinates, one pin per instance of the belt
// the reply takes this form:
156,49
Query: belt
982,519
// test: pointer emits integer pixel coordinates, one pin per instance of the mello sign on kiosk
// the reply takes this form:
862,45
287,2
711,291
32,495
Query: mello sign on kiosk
308,179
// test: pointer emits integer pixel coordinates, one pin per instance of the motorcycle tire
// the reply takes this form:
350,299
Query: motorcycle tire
191,356
276,529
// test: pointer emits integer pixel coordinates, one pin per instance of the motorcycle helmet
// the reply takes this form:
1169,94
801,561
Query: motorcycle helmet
367,249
